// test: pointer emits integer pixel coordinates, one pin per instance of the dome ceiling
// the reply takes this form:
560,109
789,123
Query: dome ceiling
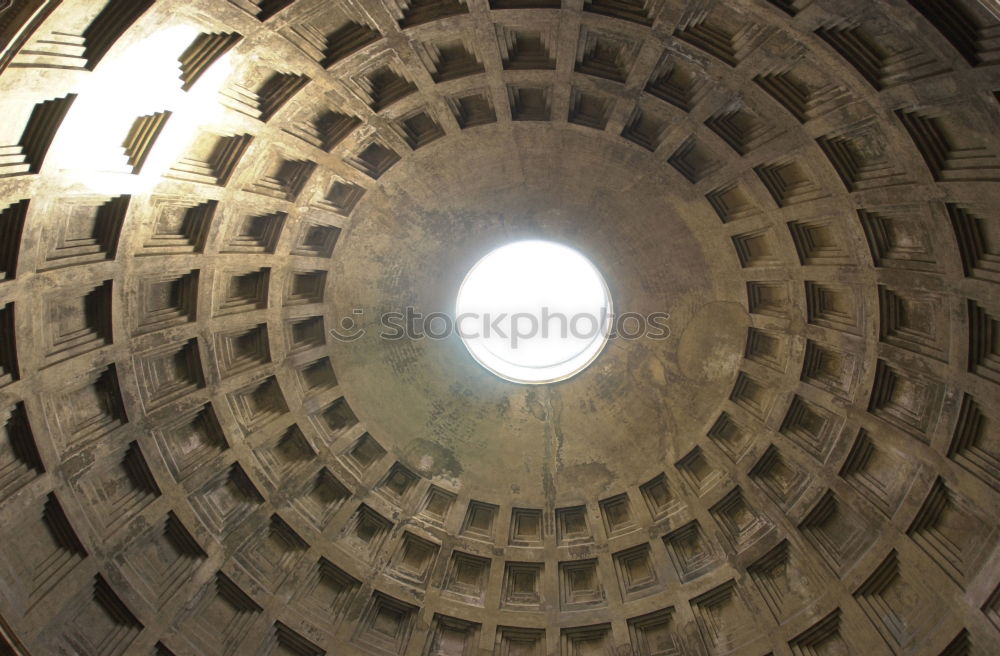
194,195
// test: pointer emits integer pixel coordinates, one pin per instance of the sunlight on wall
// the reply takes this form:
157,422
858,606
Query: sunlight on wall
144,80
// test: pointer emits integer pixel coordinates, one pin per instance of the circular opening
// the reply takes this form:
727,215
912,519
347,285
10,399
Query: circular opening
534,312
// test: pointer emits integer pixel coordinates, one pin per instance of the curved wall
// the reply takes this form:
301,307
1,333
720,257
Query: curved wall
194,194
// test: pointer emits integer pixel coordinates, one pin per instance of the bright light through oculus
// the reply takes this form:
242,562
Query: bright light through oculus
534,312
